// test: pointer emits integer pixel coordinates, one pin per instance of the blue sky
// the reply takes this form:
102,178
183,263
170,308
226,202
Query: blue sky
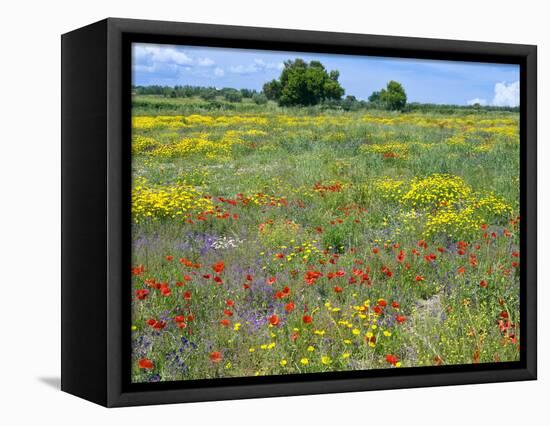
441,82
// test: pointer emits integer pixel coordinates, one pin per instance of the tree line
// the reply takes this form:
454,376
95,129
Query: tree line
206,93
303,83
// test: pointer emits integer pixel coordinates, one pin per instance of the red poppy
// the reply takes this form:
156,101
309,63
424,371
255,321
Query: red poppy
138,270
218,280
186,278
186,262
169,258
216,356
392,359
483,283
401,256
187,295
157,325
375,250
382,303
153,284
271,280
289,307
207,276
146,364
218,267
227,313
461,270
225,322
249,277
419,278
430,257
246,286
307,319
229,302
377,310
422,244
357,272
395,304
190,318
274,320
165,291
179,318
338,289
400,318
142,293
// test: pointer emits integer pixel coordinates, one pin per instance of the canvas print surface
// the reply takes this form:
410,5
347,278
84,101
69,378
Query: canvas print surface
298,213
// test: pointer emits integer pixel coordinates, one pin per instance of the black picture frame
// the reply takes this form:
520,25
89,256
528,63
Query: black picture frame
96,104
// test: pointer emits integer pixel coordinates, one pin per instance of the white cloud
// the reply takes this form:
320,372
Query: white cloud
157,54
242,69
219,72
256,66
506,94
205,62
145,68
268,65
477,101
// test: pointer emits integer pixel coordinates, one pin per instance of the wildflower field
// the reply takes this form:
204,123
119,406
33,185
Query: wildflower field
271,240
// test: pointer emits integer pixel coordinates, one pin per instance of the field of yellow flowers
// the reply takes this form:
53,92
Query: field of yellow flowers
291,241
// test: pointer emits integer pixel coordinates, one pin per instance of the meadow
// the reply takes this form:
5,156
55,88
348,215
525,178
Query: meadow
270,240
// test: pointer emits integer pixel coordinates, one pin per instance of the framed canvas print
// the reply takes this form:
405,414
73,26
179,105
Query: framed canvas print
252,212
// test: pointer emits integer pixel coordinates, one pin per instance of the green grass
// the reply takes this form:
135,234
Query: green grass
297,190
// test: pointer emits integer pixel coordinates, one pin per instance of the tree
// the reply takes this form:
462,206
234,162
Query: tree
208,94
247,93
232,95
302,83
259,98
272,90
375,98
350,103
393,97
